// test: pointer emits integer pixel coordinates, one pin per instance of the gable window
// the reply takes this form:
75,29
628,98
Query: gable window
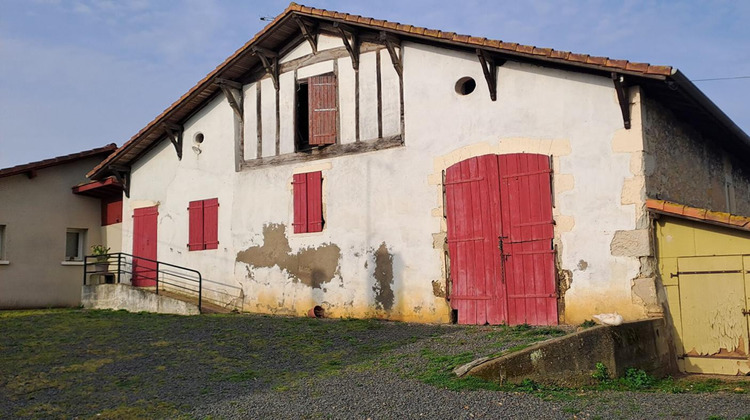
204,224
75,243
316,103
308,202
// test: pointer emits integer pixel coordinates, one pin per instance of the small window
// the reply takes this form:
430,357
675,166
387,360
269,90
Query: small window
2,242
465,85
204,224
75,243
308,202
316,112
198,139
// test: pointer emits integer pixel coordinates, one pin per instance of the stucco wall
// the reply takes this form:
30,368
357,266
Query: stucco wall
381,250
37,213
675,151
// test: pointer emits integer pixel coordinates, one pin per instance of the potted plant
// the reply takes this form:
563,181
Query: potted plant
102,258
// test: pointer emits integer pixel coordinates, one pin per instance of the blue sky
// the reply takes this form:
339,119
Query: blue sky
78,74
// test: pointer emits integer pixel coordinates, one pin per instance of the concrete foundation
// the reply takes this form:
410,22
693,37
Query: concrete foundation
131,299
571,360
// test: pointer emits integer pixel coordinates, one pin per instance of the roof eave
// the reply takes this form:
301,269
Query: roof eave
707,105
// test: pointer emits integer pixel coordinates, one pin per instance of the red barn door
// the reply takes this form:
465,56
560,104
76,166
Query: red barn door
144,246
499,215
472,192
528,229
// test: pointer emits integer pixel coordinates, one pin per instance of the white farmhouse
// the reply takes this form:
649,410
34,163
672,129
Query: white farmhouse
374,169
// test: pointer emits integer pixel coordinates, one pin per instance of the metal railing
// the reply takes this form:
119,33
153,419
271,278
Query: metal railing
120,267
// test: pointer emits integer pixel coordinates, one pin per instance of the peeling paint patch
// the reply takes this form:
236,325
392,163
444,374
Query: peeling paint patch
437,289
383,274
583,265
310,266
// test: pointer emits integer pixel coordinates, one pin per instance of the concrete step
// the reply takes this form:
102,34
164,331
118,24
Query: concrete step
207,306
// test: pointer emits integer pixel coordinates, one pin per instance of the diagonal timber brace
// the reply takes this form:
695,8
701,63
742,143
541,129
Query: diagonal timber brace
352,47
490,72
622,97
122,175
390,44
270,62
308,32
236,102
174,134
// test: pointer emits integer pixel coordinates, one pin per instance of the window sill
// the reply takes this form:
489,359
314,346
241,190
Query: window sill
326,152
4,262
71,263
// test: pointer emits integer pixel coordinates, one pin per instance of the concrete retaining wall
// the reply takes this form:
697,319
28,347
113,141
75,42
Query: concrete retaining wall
122,296
571,360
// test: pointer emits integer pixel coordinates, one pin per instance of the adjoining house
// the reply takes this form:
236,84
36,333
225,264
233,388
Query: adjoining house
47,224
377,169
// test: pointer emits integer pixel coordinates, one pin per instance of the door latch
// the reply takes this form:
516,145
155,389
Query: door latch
745,312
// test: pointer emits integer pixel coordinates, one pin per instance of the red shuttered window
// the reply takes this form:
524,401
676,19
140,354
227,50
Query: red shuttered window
308,202
204,224
322,109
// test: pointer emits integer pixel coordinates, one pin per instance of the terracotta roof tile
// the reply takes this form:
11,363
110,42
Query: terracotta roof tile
417,30
581,58
524,48
493,43
446,35
541,51
641,67
365,20
600,61
476,40
461,38
390,25
663,70
694,212
559,54
620,64
699,214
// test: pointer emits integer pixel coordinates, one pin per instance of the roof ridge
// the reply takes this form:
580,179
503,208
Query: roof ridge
57,160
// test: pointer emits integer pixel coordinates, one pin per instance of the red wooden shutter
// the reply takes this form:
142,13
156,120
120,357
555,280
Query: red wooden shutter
314,202
211,223
195,236
300,203
111,211
322,109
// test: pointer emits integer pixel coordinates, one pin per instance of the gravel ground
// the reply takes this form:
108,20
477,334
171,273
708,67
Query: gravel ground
385,393
102,364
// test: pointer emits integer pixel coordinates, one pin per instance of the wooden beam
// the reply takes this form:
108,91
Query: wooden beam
308,33
174,134
622,98
235,103
227,82
31,174
271,66
490,72
122,174
327,152
395,59
352,48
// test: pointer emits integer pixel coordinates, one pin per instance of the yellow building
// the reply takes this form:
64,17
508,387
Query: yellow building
704,265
